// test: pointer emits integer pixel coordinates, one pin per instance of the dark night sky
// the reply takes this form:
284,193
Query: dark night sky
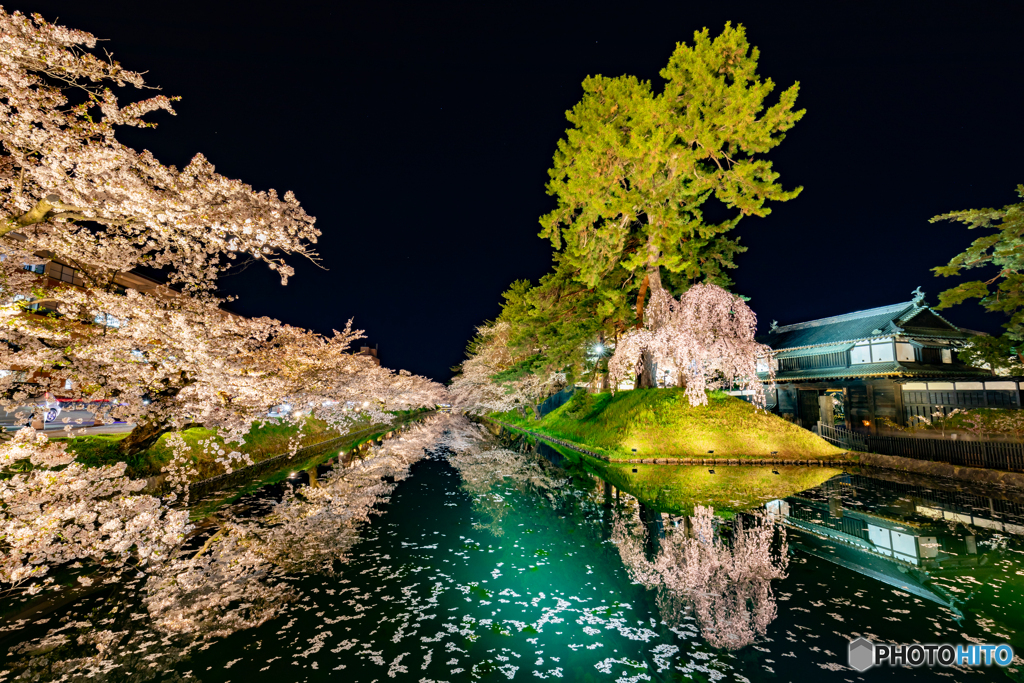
419,135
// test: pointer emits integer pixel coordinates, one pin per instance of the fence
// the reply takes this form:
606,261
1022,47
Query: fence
996,455
556,401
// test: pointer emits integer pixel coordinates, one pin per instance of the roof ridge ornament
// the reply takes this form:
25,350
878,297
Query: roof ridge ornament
918,296
774,326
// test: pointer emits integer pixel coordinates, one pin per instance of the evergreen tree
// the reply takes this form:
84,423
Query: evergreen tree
1003,292
634,171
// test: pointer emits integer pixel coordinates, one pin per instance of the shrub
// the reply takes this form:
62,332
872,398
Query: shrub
580,405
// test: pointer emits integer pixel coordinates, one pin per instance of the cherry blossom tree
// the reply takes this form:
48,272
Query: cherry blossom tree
69,188
164,359
706,336
727,585
495,379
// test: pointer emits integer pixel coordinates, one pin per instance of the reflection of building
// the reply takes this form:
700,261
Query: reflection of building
901,534
892,363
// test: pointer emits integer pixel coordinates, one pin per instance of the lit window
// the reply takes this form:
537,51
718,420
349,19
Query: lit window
107,320
58,271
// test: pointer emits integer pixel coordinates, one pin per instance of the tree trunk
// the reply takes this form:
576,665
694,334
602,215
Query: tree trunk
646,379
143,437
652,280
640,301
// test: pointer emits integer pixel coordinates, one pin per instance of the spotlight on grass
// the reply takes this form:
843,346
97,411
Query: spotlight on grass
711,471
634,470
710,451
775,471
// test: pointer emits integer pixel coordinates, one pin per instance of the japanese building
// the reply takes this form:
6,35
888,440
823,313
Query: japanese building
884,365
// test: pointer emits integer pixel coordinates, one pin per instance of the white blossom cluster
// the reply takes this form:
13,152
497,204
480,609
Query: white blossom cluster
707,336
69,187
726,584
475,389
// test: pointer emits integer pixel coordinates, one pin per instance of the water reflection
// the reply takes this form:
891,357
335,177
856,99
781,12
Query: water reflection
721,574
510,560
936,542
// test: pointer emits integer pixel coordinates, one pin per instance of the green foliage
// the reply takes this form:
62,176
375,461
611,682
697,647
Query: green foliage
677,489
555,323
1002,251
579,406
662,423
633,172
631,178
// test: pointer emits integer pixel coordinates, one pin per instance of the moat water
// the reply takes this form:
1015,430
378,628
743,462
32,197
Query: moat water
484,573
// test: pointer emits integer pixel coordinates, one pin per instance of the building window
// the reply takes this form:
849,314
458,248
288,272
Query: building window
58,271
836,359
881,353
860,355
39,269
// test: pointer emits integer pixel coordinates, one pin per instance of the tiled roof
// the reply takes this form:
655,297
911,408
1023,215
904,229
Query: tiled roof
880,370
814,351
874,322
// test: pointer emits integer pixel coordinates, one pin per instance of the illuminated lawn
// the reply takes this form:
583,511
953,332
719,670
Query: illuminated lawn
661,423
677,488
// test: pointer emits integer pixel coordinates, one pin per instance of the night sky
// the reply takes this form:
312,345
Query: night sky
420,134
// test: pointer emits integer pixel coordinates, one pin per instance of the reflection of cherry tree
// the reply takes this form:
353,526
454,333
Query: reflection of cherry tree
240,577
314,526
60,512
231,583
483,469
727,585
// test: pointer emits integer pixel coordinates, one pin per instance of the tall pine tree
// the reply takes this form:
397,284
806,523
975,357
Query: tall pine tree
634,171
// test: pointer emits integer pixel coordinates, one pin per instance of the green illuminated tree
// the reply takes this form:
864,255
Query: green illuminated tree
1003,292
633,173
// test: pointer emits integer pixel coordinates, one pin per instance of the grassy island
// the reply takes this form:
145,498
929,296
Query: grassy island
662,423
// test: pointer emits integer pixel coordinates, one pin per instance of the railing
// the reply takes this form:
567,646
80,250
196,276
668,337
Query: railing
842,437
996,455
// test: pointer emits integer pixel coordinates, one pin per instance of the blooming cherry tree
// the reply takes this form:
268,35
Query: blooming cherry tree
707,336
487,381
70,188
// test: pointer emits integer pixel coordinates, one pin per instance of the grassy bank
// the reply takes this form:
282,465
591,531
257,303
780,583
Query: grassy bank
662,423
273,438
677,489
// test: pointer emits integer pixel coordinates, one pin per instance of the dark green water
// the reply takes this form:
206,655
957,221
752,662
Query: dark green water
516,578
